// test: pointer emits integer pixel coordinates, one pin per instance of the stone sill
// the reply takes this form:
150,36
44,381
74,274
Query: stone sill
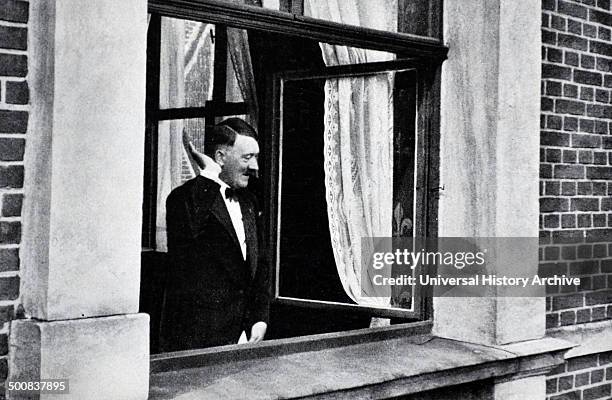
394,366
591,338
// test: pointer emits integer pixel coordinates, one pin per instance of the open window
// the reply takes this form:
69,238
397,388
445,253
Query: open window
213,60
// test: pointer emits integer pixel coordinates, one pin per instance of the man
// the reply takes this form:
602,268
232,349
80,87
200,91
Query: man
218,283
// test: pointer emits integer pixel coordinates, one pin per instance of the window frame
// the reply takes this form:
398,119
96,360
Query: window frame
424,184
426,52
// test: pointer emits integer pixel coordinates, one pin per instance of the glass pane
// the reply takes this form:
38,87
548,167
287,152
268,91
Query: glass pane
186,63
348,161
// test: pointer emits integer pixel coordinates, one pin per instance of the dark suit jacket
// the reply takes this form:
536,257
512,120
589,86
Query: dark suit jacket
212,294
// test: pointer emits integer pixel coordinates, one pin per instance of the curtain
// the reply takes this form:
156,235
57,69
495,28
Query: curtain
238,46
358,148
171,95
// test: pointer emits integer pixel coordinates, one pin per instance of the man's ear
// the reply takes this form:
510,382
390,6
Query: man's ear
220,156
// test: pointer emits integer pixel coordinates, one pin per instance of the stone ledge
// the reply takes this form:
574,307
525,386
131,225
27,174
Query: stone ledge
386,368
590,338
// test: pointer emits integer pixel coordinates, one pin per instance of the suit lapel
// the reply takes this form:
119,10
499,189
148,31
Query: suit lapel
207,198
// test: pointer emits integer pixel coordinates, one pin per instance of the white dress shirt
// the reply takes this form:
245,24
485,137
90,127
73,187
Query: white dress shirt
211,171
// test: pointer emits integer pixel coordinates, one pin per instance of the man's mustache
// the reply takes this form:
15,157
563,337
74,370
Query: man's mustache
252,172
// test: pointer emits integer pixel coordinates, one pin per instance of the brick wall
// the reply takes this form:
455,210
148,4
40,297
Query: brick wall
576,158
576,181
14,99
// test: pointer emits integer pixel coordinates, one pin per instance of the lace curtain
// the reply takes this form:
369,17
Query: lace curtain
358,147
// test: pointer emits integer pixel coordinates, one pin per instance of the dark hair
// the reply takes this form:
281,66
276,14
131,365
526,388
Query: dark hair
224,134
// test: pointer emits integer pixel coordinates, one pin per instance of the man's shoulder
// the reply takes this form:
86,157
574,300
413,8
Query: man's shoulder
199,183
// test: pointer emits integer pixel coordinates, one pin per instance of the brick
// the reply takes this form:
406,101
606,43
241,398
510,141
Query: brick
570,172
599,282
3,369
570,123
547,104
568,318
589,2
584,188
14,11
600,17
553,155
549,5
608,81
552,188
598,235
549,138
599,173
582,379
552,321
602,96
13,65
589,30
13,38
606,142
599,188
587,125
604,33
551,385
569,107
575,10
586,93
567,237
545,171
9,288
12,149
604,64
599,313
569,156
571,58
568,221
568,189
588,141
587,77
567,302
602,297
11,204
585,284
558,23
574,42
553,88
597,375
574,27
6,314
599,251
606,204
602,48
583,316
11,176
584,220
553,204
597,392
605,4
586,204
17,92
566,383
552,253
554,122
585,251
13,121
585,157
599,111
606,266
556,72
601,127
587,61
9,260
545,20
605,358
3,344
10,232
550,269
587,267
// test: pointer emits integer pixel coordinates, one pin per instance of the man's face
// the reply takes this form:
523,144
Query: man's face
239,162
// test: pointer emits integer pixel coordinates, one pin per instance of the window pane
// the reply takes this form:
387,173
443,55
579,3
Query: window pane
186,63
348,162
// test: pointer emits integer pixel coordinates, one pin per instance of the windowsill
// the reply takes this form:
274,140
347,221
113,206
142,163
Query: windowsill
328,365
592,337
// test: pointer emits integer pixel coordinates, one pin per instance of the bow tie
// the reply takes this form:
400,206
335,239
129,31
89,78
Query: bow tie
231,193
